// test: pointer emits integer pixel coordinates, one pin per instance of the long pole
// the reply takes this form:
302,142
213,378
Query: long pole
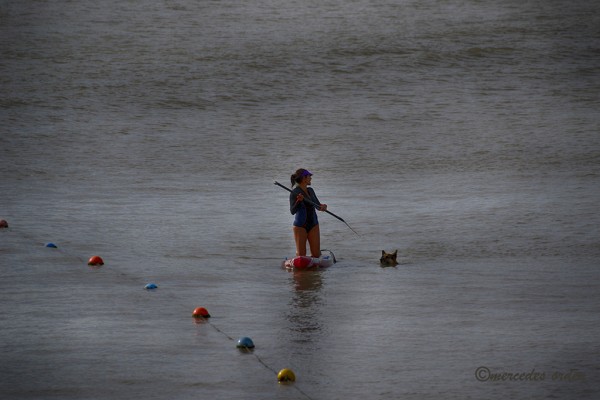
317,206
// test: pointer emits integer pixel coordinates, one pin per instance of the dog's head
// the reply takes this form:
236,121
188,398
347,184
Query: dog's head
388,259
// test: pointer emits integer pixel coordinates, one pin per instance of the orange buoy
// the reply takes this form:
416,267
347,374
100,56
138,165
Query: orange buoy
95,260
200,312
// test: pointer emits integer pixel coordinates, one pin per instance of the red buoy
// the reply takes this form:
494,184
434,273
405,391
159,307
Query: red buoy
201,312
3,223
95,260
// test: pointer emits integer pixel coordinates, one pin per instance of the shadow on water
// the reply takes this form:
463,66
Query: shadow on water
303,314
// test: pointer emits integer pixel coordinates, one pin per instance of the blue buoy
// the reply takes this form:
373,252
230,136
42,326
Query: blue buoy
52,245
245,343
151,286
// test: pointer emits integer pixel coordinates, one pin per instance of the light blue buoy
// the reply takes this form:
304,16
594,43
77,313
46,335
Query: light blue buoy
52,245
151,286
245,343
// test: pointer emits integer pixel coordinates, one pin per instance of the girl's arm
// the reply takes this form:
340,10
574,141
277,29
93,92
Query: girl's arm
295,203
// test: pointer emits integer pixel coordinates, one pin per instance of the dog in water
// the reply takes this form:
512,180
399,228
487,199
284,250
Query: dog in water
388,259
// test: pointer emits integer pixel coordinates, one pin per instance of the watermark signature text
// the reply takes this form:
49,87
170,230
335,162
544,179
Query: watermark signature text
485,374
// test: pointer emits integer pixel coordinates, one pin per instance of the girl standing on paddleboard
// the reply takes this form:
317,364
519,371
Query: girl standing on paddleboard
306,224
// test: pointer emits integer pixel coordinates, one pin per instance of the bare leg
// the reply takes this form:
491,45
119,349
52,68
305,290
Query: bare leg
314,240
300,238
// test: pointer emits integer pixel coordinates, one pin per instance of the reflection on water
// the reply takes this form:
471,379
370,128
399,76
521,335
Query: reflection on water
307,281
304,315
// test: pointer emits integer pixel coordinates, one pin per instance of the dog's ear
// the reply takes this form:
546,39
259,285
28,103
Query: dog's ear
395,253
382,253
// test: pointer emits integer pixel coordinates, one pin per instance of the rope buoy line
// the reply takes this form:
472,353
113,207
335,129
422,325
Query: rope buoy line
247,350
283,376
284,372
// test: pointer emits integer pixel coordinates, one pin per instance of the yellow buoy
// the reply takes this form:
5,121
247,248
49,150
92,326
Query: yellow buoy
286,375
